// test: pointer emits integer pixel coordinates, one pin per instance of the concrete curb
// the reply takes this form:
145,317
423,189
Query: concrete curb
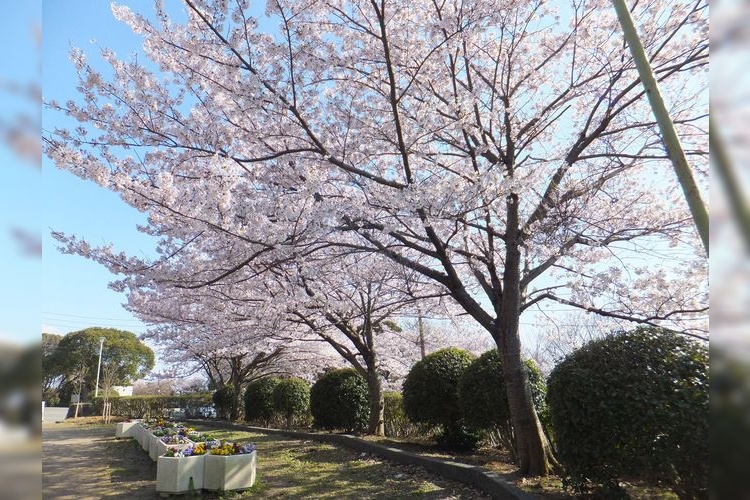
489,482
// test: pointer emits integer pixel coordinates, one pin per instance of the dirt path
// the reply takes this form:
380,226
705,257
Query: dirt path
86,462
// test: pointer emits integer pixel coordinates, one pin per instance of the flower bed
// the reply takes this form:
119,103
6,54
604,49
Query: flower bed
188,461
161,445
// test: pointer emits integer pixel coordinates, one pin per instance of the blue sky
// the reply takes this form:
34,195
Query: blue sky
19,205
74,290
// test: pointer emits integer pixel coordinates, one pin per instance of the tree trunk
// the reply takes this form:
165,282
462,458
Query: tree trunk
534,454
420,323
377,405
236,409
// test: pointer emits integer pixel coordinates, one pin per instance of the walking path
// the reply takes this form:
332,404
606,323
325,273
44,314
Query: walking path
87,462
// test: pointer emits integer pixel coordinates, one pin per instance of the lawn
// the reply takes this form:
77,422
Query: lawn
293,468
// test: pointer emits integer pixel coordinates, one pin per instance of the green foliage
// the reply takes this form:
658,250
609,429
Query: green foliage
143,406
634,404
76,356
291,398
481,393
339,400
431,387
538,393
482,398
259,399
460,438
223,398
430,394
51,377
729,423
397,424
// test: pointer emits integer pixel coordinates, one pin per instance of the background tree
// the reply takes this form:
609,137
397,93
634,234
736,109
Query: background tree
503,150
77,357
52,379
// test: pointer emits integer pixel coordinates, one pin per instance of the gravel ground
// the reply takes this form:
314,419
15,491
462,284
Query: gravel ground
86,462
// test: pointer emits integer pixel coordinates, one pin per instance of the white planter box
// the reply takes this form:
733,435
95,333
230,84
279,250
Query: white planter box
153,446
229,472
139,432
162,448
174,474
126,429
143,437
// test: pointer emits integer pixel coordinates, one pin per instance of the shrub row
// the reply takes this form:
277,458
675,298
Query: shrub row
338,400
272,399
144,406
465,396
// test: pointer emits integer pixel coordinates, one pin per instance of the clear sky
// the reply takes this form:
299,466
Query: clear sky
19,189
74,290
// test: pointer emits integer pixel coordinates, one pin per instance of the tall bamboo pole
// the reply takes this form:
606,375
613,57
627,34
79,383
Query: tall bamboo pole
666,127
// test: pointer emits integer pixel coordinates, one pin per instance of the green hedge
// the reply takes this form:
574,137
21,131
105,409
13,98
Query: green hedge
259,400
223,398
482,399
633,405
339,400
145,406
291,398
430,396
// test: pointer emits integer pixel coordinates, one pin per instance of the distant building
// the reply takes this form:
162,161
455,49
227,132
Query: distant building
121,390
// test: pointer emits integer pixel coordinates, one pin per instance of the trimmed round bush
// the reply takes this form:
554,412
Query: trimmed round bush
634,404
482,398
339,400
291,398
430,394
259,399
223,398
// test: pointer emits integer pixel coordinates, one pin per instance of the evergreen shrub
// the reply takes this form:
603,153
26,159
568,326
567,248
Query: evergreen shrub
430,396
339,400
259,400
291,398
633,405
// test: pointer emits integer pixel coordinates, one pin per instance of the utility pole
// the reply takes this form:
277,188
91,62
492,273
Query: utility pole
99,367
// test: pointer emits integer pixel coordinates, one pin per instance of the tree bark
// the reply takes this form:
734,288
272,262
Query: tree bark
534,454
377,405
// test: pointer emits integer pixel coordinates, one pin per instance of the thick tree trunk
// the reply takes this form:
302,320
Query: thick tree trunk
534,454
377,405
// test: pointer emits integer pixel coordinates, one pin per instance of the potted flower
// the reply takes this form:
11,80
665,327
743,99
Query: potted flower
176,441
181,470
229,466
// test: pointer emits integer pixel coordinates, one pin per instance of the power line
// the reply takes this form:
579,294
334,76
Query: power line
88,317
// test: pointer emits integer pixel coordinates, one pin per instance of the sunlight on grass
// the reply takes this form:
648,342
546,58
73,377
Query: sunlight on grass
304,469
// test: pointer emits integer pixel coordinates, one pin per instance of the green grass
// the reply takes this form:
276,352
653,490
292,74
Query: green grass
304,469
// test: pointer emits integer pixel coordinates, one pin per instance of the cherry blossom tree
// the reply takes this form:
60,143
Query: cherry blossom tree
502,150
354,302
